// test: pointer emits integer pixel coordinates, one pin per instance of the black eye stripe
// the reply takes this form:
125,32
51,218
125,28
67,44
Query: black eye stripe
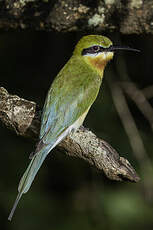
94,50
97,49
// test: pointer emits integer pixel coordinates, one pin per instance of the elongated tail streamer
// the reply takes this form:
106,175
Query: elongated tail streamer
29,175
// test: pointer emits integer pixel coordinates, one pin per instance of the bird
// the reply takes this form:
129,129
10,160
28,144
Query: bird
69,99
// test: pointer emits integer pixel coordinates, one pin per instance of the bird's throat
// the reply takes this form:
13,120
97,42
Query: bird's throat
99,62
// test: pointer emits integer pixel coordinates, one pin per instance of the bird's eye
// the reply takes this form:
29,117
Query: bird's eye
96,48
91,50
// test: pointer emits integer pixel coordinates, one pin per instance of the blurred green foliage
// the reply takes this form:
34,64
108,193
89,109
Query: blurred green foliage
68,193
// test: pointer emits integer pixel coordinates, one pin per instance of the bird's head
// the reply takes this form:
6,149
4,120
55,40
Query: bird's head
97,50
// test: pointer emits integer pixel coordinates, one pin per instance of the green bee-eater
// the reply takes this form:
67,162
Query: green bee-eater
69,99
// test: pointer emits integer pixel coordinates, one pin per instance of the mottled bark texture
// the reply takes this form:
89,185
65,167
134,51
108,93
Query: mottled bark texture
23,117
128,17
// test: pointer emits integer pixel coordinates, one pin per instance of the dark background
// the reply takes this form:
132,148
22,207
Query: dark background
68,193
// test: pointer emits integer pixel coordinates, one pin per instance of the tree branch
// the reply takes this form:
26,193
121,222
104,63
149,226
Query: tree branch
128,17
23,117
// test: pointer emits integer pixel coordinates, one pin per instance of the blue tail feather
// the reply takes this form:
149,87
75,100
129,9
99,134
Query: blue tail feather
30,173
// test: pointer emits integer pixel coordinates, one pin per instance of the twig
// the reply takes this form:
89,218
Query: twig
23,117
148,91
133,135
139,98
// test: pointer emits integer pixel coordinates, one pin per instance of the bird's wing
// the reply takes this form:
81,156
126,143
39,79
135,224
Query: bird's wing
69,97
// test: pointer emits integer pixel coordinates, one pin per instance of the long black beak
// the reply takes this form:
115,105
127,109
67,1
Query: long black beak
114,48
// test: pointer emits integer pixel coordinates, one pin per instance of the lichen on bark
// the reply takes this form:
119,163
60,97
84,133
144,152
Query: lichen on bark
128,17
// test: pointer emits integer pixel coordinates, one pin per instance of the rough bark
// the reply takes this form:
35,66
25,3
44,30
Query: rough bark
23,117
128,17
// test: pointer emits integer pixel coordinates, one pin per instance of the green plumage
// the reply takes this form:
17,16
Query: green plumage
72,93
